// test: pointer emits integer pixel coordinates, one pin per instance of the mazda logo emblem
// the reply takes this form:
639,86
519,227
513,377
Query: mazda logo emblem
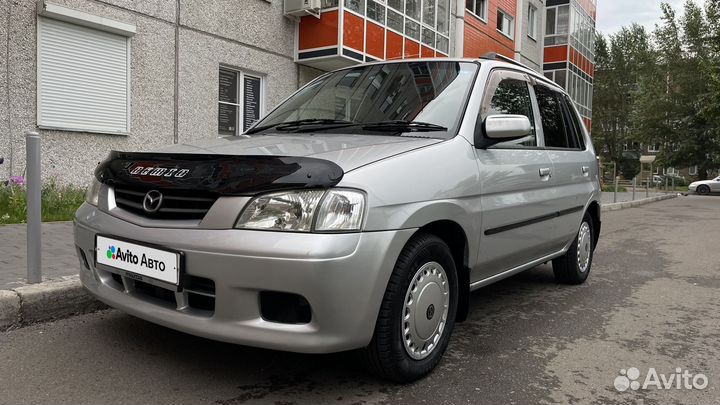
152,201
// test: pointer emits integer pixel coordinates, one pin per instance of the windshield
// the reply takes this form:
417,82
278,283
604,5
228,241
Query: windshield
401,98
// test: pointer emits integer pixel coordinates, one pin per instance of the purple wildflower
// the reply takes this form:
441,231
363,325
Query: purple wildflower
17,180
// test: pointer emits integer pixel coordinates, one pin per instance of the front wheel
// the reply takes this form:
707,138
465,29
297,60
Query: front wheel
574,266
703,189
417,314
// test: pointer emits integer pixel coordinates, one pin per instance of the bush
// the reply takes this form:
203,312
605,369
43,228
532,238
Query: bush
59,202
609,188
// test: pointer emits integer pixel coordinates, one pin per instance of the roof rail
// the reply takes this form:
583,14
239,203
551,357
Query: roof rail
497,56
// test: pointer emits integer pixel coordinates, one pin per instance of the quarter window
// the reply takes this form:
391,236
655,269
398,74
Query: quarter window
240,98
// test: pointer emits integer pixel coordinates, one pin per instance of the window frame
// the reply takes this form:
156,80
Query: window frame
485,11
693,170
654,147
240,74
532,22
567,112
511,24
496,76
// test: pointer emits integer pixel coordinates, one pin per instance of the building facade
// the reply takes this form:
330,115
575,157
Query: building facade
569,56
97,75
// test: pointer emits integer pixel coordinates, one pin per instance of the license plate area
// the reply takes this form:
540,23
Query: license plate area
140,261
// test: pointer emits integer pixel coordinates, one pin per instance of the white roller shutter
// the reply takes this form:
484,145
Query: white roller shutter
83,78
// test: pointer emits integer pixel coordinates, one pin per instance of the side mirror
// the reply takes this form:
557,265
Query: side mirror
502,128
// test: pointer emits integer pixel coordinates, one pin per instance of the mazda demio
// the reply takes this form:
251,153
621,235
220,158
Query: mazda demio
358,214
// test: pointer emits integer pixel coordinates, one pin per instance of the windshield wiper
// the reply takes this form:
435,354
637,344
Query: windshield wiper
292,125
399,125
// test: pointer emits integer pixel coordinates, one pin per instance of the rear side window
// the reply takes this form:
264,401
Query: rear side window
559,121
512,96
575,126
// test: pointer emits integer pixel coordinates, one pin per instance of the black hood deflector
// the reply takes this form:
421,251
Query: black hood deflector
221,174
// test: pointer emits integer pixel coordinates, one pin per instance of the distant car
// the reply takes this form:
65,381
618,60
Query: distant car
705,186
657,179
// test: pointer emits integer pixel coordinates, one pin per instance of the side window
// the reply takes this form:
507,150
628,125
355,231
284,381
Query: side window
552,118
512,96
577,138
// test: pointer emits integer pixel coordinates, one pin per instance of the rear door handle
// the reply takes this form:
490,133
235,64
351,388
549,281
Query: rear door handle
586,169
545,172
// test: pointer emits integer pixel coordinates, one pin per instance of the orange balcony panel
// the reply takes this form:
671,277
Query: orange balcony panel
375,41
427,52
353,32
316,33
412,49
556,53
394,45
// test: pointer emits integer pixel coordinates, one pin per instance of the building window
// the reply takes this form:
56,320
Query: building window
693,171
557,20
654,147
240,101
83,78
532,22
478,7
505,24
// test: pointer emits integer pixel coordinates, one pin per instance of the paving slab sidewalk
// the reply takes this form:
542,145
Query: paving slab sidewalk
61,294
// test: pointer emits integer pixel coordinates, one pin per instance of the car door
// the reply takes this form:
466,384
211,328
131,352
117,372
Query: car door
715,185
573,161
515,183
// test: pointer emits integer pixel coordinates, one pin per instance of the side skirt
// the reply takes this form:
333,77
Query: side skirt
511,272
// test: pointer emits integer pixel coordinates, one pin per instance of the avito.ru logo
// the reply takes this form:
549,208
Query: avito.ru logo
115,253
680,379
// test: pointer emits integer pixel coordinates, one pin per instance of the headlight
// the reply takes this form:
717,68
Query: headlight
341,210
330,211
92,194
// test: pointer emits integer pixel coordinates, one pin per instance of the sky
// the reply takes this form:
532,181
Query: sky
614,14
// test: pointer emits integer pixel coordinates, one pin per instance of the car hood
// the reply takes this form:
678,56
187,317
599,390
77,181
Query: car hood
700,182
347,151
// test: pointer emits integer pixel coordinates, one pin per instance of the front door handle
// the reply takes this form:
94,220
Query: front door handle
545,172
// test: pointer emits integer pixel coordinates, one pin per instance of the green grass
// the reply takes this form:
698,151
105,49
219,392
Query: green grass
610,188
59,203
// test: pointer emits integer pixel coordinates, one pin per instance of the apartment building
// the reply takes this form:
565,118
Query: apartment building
96,75
569,56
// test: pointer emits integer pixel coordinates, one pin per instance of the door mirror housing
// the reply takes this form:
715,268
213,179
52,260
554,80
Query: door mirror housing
502,128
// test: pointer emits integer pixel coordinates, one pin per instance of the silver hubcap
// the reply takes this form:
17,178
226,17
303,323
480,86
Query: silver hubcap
425,312
584,247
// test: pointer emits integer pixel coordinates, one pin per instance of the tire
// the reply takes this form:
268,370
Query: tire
423,263
703,189
574,266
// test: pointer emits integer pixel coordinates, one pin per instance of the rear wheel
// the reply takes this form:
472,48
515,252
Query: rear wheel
574,266
703,189
417,314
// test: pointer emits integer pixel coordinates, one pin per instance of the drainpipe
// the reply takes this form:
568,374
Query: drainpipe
519,15
460,30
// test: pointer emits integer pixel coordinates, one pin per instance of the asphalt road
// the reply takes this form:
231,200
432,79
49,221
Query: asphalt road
651,301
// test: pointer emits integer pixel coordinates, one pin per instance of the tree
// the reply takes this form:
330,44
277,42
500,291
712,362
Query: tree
619,66
674,105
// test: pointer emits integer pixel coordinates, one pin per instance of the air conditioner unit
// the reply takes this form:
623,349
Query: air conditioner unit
299,8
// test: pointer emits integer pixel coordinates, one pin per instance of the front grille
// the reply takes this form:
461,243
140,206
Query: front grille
176,204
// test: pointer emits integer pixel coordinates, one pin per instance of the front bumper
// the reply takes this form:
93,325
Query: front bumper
342,276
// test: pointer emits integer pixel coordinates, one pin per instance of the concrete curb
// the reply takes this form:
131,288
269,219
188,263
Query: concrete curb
45,301
629,204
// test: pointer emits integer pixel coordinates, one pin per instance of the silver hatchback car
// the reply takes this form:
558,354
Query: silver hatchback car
359,214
